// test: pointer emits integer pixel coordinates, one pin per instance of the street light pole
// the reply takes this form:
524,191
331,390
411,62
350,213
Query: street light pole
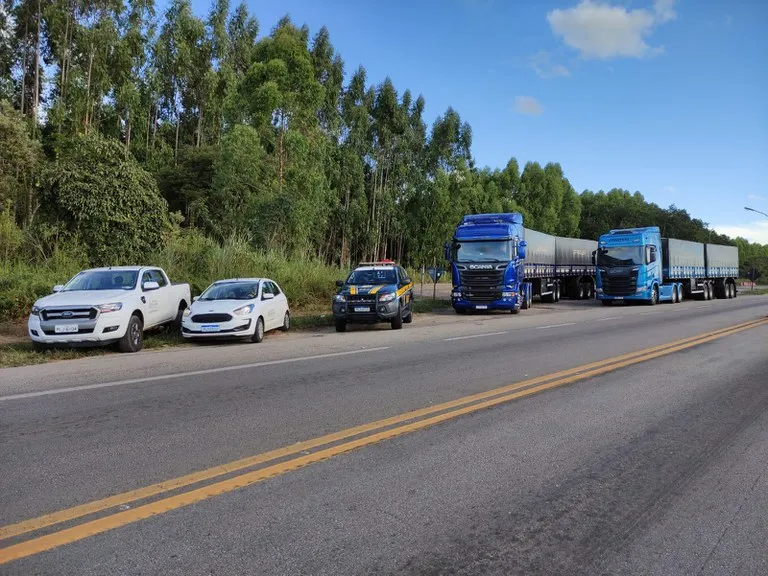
753,210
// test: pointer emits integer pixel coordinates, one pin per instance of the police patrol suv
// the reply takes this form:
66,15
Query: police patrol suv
374,292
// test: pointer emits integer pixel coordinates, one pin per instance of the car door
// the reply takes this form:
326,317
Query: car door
268,305
281,302
407,296
151,300
168,308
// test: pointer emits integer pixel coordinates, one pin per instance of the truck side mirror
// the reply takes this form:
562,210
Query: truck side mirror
521,249
447,253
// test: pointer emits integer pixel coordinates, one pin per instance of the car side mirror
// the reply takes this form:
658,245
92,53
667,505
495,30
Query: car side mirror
151,285
195,298
339,283
447,253
267,296
58,288
406,281
521,249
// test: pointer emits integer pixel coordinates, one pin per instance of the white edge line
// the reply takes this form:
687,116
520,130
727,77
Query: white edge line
556,325
185,374
609,318
475,336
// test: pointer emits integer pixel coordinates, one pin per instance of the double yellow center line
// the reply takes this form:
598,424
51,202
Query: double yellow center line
295,456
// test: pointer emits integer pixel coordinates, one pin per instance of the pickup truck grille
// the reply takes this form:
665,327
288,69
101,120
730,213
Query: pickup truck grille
361,298
482,285
69,314
623,284
201,318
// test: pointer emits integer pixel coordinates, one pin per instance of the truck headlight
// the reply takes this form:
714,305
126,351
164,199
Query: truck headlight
507,294
35,311
111,307
340,298
244,310
388,297
456,294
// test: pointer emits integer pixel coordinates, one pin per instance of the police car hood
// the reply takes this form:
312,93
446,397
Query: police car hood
369,289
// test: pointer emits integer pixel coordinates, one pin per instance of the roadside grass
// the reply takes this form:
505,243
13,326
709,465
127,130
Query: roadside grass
755,292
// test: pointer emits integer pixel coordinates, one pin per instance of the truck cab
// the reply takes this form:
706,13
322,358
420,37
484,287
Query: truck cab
486,258
629,266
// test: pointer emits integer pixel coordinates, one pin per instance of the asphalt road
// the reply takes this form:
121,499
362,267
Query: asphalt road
652,464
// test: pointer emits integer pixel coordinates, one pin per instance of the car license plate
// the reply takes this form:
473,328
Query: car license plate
481,307
209,328
362,309
618,297
65,328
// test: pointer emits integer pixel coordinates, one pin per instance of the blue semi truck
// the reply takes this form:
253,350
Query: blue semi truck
637,264
498,264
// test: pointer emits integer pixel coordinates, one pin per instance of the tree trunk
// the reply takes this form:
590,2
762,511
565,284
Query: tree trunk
88,89
24,68
176,149
199,127
35,108
280,151
127,132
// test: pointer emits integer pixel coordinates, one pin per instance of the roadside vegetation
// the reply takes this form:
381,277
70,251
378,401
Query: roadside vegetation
211,149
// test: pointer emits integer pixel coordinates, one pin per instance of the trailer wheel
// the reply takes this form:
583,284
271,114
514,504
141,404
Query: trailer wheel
581,291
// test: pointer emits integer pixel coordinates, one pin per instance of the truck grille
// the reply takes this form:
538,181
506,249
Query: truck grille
623,284
361,298
69,313
200,318
482,285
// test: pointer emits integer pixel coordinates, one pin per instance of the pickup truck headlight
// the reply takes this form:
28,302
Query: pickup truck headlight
243,311
35,311
340,298
387,297
187,312
111,307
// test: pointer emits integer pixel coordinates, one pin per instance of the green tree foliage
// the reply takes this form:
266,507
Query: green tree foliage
267,139
106,201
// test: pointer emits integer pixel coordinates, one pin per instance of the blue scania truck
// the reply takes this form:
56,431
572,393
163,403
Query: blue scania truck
498,264
637,264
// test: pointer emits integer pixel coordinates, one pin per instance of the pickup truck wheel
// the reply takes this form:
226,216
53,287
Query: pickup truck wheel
286,322
258,333
341,325
397,321
133,340
176,324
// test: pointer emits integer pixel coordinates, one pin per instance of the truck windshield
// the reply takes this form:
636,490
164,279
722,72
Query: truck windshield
231,291
620,256
103,280
483,251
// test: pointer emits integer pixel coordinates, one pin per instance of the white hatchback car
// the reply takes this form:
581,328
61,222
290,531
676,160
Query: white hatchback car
237,308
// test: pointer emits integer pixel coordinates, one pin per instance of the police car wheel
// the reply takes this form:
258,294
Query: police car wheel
409,318
341,326
397,321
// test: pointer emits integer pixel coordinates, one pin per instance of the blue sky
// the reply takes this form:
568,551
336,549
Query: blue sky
666,97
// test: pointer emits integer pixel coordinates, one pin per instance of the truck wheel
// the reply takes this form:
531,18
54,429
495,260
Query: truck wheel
556,294
341,325
460,310
397,321
258,333
133,340
176,323
654,296
581,292
525,304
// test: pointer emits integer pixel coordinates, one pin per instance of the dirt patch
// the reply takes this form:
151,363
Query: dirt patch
13,332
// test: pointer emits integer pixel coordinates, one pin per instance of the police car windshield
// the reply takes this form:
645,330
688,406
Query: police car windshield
231,291
372,277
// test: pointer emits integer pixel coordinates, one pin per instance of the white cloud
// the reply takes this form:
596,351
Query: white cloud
754,231
756,197
599,30
527,105
669,189
542,64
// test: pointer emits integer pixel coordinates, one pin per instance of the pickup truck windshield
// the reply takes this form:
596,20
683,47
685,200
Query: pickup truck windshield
372,277
103,280
231,291
483,251
620,256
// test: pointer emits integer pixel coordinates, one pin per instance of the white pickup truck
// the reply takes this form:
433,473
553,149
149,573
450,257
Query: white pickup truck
108,305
